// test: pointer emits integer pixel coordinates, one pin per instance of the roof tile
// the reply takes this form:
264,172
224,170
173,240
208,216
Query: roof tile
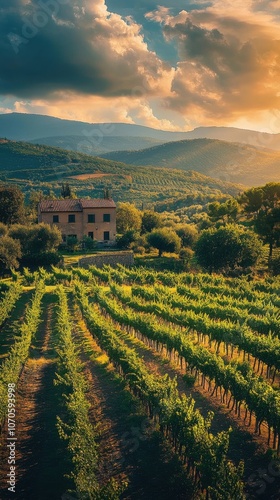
98,203
74,205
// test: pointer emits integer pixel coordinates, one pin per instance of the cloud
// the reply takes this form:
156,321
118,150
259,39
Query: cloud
92,60
135,7
229,65
79,107
95,109
57,45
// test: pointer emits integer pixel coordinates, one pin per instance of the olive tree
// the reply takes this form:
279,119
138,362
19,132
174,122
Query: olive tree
226,248
164,240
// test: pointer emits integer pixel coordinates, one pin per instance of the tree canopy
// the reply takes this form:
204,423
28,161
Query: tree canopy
188,234
11,205
164,240
226,248
262,204
150,220
128,217
226,212
66,191
10,253
36,239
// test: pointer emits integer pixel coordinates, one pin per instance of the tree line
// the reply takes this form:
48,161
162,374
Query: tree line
230,239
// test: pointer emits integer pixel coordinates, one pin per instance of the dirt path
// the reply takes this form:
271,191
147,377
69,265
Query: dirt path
129,447
39,456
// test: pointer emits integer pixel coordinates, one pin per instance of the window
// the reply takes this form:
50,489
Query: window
55,218
106,218
90,234
91,218
71,218
106,235
72,236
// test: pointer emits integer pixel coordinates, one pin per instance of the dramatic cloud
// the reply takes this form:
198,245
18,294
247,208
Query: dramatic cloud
171,65
57,45
98,109
228,66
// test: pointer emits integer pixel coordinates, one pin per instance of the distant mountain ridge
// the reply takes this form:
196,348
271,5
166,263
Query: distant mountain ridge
96,147
31,127
27,127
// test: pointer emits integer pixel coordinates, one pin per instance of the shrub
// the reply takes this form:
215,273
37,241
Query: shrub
88,243
42,259
125,241
185,255
72,244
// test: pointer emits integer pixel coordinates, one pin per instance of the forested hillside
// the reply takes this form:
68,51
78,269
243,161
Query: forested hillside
233,162
42,167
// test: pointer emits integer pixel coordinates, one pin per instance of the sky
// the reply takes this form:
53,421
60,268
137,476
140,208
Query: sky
168,65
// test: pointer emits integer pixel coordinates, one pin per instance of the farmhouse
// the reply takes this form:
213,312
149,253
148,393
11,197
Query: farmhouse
95,218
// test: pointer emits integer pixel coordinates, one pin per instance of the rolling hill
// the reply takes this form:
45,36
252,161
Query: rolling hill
94,146
42,167
233,162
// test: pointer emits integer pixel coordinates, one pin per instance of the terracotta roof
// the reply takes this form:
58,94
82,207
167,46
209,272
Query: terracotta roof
98,203
74,205
60,206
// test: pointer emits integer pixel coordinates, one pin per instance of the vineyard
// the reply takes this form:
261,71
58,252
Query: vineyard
131,383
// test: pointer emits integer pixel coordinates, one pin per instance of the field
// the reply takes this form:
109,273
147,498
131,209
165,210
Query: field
138,384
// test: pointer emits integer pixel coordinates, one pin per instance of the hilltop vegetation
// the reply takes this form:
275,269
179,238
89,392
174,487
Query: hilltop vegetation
232,162
41,167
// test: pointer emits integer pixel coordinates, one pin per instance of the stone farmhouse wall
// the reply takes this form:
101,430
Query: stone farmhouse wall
110,258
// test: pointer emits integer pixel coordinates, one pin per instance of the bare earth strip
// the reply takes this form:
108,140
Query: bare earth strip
128,446
40,458
97,175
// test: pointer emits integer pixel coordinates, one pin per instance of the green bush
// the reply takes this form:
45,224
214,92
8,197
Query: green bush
42,259
185,256
88,243
72,244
